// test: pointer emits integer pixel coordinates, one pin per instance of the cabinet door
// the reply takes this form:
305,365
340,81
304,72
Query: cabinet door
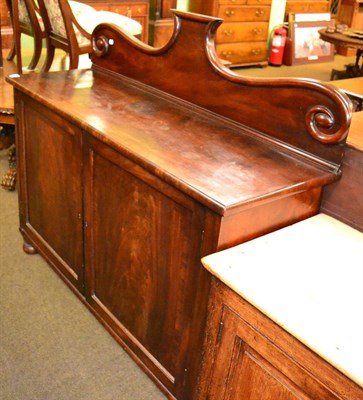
143,269
50,197
247,365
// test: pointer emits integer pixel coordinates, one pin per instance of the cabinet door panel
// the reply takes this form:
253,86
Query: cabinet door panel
248,365
144,242
51,188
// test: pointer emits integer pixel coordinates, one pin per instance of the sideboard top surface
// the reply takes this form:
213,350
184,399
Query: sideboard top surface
219,162
229,141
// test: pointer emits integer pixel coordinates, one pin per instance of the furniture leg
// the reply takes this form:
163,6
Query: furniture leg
8,181
28,248
37,53
12,52
49,58
7,137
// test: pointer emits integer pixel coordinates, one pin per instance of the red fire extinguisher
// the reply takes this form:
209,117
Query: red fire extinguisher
278,41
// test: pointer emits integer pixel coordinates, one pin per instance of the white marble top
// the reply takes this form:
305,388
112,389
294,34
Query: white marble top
308,278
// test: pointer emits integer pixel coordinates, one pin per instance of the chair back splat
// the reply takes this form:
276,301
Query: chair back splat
69,26
26,19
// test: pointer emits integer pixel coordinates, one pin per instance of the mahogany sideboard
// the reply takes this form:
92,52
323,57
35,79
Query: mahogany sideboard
132,171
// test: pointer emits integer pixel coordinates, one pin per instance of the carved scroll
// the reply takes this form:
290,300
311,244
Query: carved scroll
309,116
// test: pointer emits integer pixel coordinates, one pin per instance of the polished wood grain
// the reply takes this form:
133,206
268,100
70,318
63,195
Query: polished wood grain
304,114
344,199
355,137
147,172
351,86
248,356
7,93
144,286
50,164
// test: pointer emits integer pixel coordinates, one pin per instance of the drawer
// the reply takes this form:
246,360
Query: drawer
232,2
303,6
130,10
240,53
245,2
136,11
319,7
259,2
296,8
244,13
242,32
100,6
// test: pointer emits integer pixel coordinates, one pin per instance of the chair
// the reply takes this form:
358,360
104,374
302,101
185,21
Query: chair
26,19
69,25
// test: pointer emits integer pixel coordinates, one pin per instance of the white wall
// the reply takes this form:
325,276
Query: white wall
182,5
277,13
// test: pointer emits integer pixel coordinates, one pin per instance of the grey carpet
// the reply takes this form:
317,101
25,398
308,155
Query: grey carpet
51,346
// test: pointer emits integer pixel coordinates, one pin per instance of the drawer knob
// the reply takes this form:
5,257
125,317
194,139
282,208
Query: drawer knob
139,10
228,32
128,12
259,13
256,52
257,31
226,54
229,13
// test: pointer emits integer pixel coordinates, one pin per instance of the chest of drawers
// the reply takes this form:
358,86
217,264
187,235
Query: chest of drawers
242,38
307,6
137,10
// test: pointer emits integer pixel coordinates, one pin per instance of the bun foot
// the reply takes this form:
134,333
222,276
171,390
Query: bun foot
29,249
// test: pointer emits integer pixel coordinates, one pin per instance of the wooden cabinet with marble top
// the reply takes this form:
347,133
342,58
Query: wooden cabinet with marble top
277,328
131,172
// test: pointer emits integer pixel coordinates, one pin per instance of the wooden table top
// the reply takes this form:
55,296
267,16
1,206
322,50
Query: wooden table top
339,39
355,136
351,86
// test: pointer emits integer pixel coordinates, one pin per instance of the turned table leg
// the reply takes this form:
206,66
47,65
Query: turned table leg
8,181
